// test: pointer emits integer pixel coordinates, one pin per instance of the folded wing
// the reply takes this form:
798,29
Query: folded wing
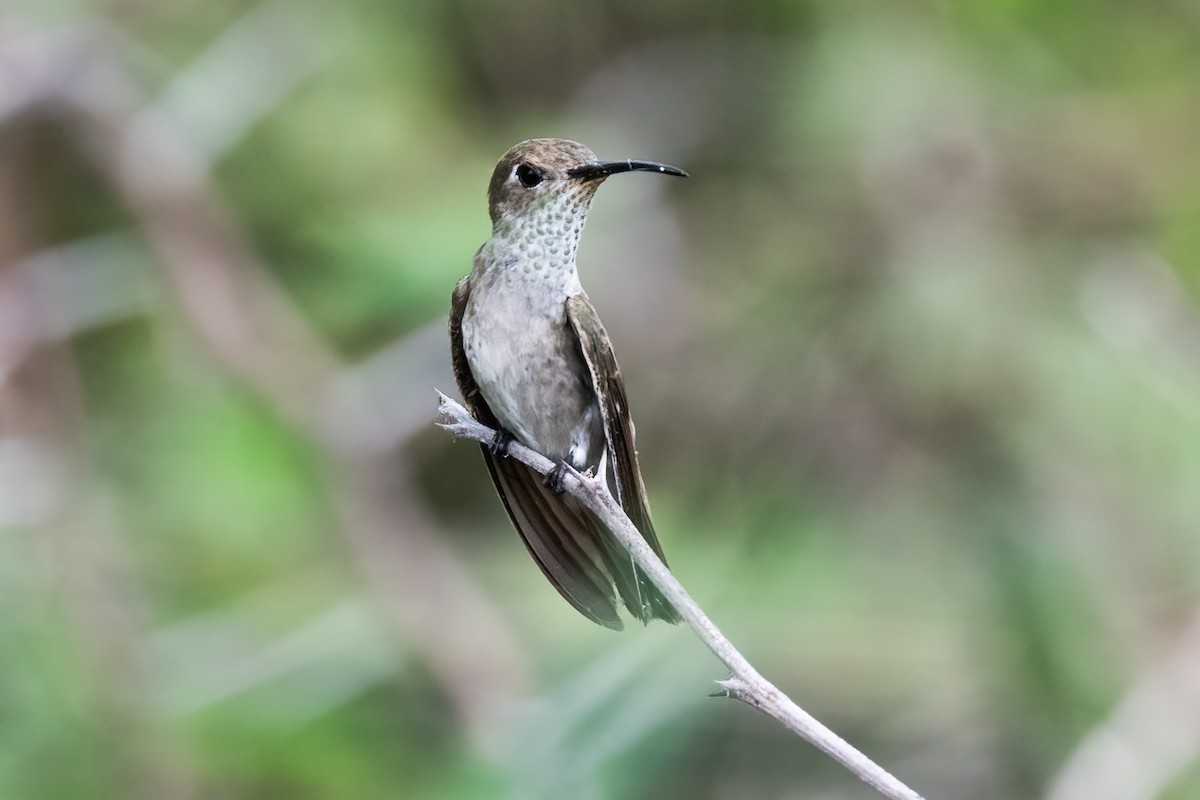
640,595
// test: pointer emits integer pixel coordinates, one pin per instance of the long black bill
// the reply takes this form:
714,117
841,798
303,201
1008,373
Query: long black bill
602,169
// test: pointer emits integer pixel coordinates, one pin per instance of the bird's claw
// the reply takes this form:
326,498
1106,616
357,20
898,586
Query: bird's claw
498,446
555,478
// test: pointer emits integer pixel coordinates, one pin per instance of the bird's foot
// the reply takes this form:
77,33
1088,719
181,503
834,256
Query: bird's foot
498,446
556,477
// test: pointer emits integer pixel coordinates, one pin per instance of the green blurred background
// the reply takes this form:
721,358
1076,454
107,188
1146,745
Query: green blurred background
914,357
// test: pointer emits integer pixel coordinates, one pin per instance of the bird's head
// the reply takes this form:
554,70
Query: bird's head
553,172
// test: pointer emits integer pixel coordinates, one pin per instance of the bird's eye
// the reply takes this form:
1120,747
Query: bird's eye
528,176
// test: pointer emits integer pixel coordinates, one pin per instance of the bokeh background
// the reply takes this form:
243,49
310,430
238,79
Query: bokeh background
914,356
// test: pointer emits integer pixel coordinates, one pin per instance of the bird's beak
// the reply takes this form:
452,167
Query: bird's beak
602,169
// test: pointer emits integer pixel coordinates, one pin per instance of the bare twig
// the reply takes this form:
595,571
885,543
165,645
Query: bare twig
746,684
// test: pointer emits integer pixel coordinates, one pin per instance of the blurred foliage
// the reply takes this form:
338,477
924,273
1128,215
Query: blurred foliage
914,356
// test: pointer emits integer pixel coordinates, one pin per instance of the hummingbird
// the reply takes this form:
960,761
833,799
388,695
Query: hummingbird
534,362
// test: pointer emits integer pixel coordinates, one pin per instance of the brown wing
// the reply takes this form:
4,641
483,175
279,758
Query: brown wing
563,538
609,386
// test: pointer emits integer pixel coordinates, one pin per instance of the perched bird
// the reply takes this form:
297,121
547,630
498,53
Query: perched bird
533,361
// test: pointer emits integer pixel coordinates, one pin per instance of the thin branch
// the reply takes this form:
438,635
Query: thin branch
746,684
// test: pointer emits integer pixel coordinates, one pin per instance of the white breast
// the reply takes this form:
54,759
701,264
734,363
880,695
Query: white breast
529,370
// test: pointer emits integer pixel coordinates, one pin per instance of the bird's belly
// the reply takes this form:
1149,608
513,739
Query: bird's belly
536,383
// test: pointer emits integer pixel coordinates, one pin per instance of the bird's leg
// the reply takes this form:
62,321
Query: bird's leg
498,446
556,476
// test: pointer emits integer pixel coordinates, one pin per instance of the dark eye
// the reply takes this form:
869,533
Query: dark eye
528,176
